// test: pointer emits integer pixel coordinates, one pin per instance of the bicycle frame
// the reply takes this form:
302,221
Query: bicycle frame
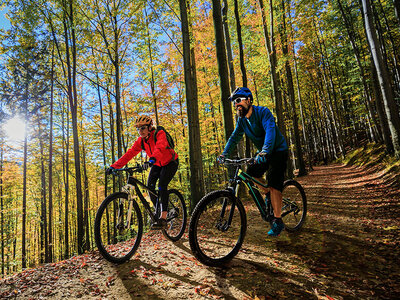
241,176
249,181
134,183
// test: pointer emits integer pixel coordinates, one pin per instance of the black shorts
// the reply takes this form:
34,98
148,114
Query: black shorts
276,166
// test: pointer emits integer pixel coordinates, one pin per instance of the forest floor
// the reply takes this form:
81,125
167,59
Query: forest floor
349,248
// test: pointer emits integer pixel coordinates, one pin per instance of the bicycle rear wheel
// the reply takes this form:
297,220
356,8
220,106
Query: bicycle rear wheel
116,238
294,208
176,217
212,241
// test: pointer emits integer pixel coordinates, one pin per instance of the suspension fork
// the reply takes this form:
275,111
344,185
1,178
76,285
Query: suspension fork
225,226
127,224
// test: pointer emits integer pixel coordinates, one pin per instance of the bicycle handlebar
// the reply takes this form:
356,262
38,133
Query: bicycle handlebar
238,162
138,169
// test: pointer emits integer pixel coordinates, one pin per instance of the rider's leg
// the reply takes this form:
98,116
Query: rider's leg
276,176
276,200
262,189
257,171
151,182
166,175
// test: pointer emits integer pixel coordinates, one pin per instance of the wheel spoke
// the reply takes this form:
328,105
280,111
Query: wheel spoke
294,205
217,229
176,217
115,239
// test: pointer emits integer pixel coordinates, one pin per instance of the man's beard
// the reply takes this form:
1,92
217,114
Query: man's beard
243,112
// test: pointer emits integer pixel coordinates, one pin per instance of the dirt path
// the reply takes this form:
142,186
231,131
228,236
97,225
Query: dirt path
348,249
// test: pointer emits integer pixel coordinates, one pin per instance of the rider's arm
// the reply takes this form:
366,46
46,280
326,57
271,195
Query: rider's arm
234,139
268,123
135,149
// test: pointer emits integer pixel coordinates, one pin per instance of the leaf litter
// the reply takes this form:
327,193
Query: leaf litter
348,249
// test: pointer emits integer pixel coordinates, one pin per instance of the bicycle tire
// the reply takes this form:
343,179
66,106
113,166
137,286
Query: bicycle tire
105,224
205,221
177,216
294,206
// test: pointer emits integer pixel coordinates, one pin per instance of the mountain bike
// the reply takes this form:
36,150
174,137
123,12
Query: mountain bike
118,226
218,224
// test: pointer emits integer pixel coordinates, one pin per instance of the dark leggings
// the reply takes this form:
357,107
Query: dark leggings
164,175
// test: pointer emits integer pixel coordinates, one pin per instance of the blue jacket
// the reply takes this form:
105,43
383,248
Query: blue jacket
261,129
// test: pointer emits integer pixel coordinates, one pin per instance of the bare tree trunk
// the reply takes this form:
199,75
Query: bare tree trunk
195,156
222,68
240,145
391,108
351,33
292,98
43,218
397,10
73,100
102,136
2,210
228,44
23,250
66,180
380,108
270,45
152,82
241,54
86,201
51,162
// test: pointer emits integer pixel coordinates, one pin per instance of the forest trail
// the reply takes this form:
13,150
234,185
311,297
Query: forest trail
349,248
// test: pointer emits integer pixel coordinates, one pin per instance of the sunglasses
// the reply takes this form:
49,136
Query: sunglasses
238,100
142,127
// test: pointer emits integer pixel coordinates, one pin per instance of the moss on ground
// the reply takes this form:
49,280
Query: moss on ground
375,158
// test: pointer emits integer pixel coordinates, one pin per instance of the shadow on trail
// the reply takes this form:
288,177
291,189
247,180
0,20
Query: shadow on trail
347,249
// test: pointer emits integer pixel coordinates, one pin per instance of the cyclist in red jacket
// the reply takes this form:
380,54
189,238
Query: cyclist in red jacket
163,162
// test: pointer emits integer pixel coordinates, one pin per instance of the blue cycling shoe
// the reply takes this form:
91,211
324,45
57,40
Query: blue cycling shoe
277,227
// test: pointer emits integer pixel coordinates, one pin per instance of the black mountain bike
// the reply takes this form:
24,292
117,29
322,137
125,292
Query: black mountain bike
218,223
118,226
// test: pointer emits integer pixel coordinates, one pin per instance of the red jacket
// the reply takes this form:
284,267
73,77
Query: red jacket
159,151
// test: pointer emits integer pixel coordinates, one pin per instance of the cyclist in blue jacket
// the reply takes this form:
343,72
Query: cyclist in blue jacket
258,123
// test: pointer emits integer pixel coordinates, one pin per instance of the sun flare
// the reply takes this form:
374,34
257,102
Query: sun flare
15,130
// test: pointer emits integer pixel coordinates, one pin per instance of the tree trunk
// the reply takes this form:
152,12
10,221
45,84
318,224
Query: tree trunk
103,141
228,45
23,250
50,231
292,98
1,210
230,61
397,10
391,109
86,201
270,45
385,131
351,33
73,99
195,156
66,180
152,82
222,68
395,54
44,233
240,43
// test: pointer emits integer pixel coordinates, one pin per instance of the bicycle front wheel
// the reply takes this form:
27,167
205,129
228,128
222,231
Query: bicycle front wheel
294,205
176,217
116,234
217,228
